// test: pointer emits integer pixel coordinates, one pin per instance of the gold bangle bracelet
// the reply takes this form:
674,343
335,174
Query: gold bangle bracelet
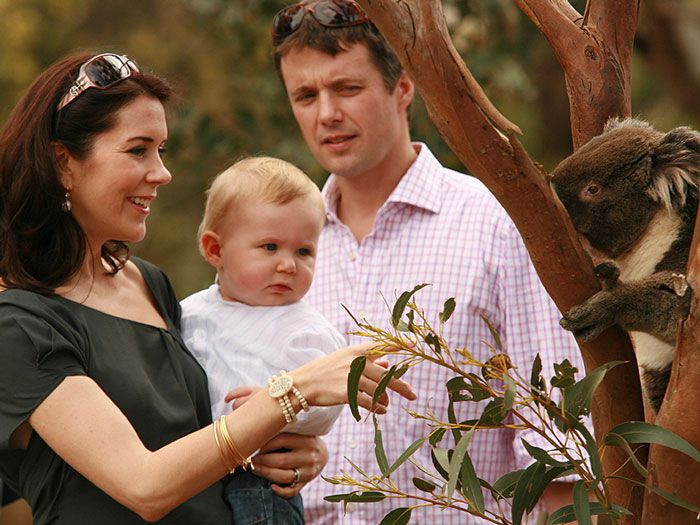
242,460
221,450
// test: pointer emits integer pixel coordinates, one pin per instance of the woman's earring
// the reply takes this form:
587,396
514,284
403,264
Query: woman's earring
66,205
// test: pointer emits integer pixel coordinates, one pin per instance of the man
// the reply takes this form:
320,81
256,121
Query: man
397,218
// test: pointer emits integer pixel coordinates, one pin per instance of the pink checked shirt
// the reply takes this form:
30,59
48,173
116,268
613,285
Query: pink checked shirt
444,228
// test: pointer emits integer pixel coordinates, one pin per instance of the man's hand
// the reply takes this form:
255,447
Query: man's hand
285,453
240,395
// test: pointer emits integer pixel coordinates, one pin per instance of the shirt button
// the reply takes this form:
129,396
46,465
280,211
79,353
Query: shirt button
352,443
352,256
350,507
363,314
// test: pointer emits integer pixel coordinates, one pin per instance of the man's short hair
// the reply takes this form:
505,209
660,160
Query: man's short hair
334,40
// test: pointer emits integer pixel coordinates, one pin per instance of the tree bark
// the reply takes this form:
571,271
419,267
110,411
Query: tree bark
668,469
484,140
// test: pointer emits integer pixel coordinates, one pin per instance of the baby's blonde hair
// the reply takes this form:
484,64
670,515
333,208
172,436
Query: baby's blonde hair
262,179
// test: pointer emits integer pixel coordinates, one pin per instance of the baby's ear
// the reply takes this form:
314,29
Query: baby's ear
210,246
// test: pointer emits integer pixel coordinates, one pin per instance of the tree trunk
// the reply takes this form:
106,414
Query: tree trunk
668,469
470,125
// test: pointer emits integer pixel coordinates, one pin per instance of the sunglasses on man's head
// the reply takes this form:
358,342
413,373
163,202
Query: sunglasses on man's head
328,13
101,72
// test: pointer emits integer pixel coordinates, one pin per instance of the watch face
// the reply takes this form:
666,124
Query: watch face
280,386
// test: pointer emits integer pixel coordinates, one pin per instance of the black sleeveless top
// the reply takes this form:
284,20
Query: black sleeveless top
147,371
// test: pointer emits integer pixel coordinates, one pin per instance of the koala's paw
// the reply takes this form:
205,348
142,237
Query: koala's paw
589,319
607,273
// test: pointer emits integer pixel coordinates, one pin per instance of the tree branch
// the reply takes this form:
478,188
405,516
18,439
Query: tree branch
417,31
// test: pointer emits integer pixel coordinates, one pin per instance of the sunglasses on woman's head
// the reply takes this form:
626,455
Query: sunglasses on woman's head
101,72
328,13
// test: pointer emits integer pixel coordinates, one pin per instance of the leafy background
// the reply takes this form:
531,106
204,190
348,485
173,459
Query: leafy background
230,102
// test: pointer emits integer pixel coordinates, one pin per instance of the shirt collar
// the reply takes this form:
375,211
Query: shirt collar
419,187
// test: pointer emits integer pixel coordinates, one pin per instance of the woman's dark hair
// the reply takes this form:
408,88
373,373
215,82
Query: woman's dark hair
41,246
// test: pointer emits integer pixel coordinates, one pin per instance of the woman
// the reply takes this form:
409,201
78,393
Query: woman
104,415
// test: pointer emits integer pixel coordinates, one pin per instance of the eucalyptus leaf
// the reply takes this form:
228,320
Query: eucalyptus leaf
401,303
591,449
504,486
471,487
379,448
494,413
447,310
640,432
578,398
441,461
582,509
383,382
564,374
399,516
436,436
456,460
680,502
566,514
543,456
405,455
524,491
618,441
356,369
424,484
475,389
433,341
356,497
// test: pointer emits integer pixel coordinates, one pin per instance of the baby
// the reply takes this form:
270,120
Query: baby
260,230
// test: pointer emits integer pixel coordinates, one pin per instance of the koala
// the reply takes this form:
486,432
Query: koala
632,195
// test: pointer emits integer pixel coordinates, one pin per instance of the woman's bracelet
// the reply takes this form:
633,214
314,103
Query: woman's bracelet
225,442
279,387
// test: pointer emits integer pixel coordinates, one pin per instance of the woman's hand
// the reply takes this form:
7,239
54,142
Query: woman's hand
324,381
284,454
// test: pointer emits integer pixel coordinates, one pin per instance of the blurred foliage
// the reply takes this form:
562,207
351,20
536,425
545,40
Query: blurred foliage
217,54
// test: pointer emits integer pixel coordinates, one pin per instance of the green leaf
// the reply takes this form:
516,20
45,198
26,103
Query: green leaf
564,374
566,514
591,449
530,487
509,394
640,432
618,441
578,398
679,502
424,484
471,488
504,486
543,456
441,461
433,341
401,303
447,310
474,391
523,492
356,369
582,509
383,382
494,413
401,371
379,448
355,497
494,333
399,516
458,456
405,455
535,375
436,436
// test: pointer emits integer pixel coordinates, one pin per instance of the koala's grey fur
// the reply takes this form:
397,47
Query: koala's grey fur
632,195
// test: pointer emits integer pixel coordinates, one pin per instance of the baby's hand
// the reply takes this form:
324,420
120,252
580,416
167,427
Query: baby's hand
240,395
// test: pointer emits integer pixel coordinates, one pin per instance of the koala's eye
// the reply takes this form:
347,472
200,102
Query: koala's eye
592,189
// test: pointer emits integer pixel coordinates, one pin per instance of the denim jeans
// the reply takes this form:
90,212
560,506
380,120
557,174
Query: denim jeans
252,502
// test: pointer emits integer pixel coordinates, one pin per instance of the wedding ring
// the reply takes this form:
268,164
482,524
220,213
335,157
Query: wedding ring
297,476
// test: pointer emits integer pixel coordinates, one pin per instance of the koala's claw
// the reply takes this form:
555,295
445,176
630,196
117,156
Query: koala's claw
587,320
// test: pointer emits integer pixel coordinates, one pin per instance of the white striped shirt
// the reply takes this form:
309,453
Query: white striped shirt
444,228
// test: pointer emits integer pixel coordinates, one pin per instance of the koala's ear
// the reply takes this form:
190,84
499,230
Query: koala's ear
675,167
